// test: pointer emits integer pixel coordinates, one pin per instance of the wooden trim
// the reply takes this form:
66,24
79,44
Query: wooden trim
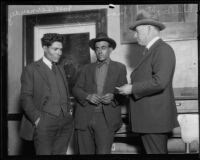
14,117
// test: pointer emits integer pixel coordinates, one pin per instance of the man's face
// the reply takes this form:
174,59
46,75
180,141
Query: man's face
53,52
142,33
102,50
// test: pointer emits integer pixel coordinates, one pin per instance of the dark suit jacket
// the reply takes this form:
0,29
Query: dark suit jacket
116,76
35,91
152,103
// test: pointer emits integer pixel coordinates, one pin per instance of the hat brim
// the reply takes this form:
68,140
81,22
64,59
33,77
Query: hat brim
109,40
147,22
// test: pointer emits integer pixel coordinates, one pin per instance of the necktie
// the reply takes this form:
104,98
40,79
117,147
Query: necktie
99,65
54,67
145,51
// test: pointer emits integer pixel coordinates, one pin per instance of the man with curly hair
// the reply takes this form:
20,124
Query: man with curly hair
45,100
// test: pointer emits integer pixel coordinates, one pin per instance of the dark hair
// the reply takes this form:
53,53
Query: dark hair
49,38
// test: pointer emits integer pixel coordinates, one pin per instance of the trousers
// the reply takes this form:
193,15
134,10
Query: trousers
155,143
97,138
53,133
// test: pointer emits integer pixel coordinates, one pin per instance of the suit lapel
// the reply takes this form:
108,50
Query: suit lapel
62,73
149,52
108,80
93,73
143,59
40,66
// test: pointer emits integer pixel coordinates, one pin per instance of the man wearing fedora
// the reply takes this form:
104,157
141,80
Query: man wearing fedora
152,104
98,112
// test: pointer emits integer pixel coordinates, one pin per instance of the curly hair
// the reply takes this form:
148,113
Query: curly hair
49,38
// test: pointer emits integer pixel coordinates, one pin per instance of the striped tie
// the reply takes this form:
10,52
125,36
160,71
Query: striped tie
145,51
54,67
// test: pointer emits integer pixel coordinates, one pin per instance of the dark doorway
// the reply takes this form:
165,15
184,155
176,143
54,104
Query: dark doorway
76,54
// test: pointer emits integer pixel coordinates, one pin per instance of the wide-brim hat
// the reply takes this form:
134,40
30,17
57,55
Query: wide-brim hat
146,18
102,37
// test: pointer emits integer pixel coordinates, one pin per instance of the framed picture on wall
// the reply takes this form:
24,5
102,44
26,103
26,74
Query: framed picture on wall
180,20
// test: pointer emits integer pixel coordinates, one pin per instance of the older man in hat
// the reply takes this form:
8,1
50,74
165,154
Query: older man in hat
152,105
98,112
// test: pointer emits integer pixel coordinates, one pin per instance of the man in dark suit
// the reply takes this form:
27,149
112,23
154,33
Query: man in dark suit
45,100
98,112
152,105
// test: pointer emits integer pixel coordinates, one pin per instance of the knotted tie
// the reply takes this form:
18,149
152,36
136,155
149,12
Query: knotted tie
99,65
54,67
145,51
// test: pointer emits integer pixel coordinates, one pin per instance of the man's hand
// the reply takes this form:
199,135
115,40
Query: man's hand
94,98
125,89
37,121
107,98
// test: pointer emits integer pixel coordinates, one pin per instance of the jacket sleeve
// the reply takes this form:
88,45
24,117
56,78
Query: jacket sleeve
163,65
78,90
27,86
122,77
118,98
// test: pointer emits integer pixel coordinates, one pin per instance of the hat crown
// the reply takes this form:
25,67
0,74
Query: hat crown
147,18
147,15
101,35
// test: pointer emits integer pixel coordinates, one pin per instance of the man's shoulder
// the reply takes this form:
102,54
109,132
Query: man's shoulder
32,65
163,44
119,64
163,48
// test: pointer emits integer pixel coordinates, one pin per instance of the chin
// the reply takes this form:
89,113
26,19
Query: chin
56,61
101,60
142,44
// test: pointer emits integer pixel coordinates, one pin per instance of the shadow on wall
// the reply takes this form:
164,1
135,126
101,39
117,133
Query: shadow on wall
134,54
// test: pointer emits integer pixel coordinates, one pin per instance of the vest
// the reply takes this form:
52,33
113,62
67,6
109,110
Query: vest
58,99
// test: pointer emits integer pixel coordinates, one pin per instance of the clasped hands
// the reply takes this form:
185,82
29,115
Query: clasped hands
96,99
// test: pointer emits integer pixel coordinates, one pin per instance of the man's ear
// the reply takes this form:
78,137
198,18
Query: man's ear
44,48
111,49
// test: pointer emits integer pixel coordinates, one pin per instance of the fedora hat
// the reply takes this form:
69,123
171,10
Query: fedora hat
102,37
147,18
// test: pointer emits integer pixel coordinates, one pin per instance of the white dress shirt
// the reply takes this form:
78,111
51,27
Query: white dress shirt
47,62
152,42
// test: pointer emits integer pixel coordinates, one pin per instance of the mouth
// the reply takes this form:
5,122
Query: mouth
100,55
57,59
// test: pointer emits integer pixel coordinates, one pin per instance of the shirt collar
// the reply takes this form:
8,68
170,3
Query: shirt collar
47,62
152,42
107,61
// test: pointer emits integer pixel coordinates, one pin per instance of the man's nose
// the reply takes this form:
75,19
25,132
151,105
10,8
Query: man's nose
99,51
59,52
